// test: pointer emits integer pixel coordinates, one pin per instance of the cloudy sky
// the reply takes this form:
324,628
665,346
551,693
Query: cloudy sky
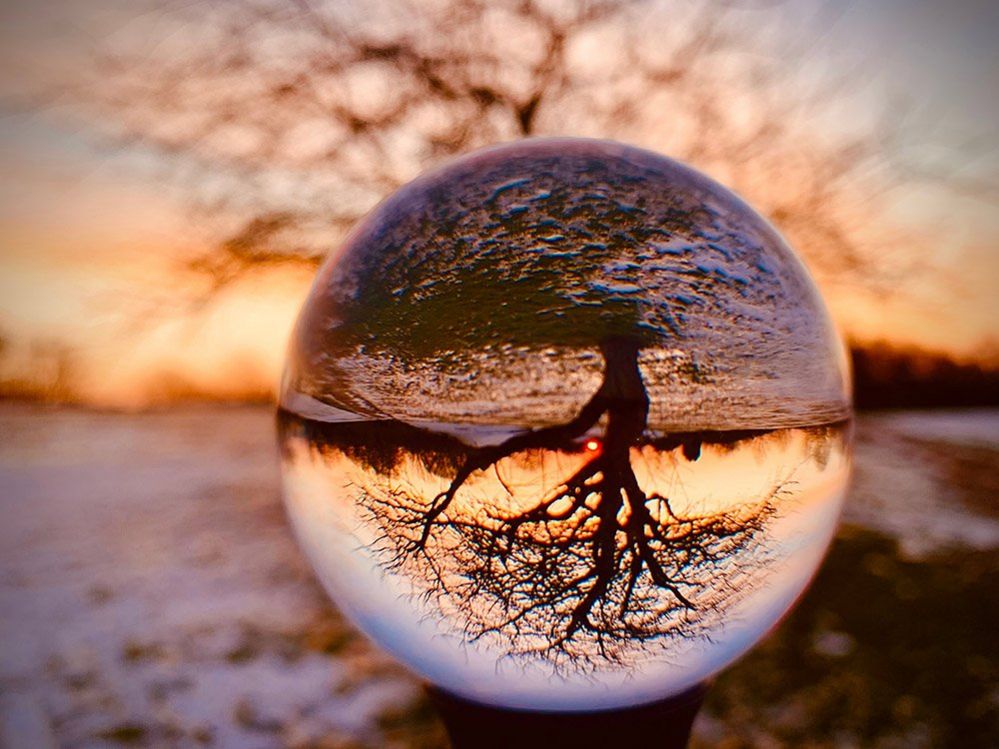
90,230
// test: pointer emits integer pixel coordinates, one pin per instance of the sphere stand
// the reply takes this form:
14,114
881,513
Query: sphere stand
658,725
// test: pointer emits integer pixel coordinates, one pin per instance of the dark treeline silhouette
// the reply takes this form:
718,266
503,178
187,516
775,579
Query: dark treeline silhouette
884,377
889,377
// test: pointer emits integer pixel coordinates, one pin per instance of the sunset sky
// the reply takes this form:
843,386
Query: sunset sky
92,230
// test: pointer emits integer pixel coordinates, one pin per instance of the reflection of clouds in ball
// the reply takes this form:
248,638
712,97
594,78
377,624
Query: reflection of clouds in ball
564,409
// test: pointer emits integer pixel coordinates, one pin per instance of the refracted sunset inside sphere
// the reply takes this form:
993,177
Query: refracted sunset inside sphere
565,426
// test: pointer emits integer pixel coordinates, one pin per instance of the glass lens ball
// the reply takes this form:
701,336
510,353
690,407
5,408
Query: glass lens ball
564,426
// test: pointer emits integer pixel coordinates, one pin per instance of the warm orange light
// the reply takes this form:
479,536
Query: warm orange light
592,445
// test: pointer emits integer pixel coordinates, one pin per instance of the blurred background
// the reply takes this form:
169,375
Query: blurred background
172,173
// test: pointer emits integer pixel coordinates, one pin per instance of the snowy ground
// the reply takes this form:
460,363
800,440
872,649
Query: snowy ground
929,479
151,594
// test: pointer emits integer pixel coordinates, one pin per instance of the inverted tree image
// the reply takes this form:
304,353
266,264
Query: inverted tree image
595,564
512,359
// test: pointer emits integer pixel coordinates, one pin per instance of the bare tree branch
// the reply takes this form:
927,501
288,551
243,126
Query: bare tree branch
316,110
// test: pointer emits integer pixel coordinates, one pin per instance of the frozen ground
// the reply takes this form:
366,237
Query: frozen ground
928,479
151,595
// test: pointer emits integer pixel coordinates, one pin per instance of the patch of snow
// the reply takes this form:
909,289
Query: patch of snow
901,488
149,583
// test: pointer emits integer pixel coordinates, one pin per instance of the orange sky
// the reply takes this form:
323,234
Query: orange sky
90,241
90,256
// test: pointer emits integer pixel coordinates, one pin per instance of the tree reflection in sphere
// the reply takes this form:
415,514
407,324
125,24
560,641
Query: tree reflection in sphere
565,426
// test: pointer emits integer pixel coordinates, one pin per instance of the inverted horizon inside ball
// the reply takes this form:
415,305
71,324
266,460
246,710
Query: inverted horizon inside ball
565,426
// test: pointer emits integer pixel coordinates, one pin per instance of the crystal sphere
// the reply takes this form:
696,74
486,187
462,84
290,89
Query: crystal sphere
564,426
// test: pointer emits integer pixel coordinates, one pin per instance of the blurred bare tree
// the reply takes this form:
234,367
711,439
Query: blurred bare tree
296,116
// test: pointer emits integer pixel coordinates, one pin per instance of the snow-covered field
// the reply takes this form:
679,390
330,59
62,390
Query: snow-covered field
151,593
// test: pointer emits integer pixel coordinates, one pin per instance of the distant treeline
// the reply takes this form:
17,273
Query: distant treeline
888,377
885,376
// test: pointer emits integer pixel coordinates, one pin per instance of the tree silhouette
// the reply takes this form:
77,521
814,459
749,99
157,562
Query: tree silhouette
292,118
597,565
